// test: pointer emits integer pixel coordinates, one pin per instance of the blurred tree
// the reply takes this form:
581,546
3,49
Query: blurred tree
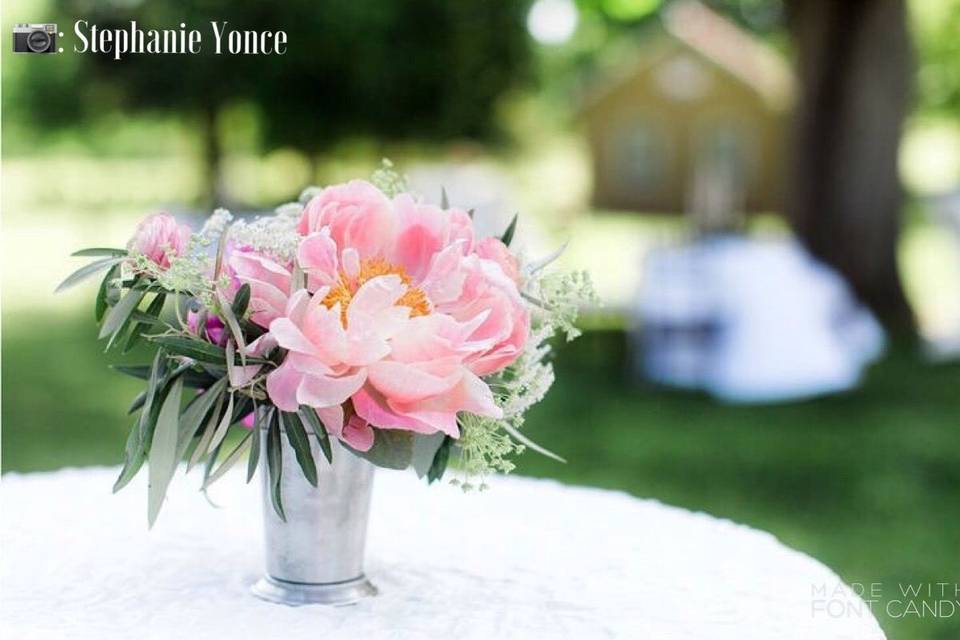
427,69
393,69
854,62
937,28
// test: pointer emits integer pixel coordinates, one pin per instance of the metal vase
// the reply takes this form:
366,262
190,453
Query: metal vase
316,556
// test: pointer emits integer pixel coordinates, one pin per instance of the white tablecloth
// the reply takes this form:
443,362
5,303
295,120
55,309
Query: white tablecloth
527,559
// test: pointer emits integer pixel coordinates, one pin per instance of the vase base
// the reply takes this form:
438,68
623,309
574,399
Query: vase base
295,594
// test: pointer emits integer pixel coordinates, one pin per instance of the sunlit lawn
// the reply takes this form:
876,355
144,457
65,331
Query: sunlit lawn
867,482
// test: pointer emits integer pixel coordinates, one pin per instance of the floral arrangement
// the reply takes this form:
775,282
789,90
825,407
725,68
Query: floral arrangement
360,313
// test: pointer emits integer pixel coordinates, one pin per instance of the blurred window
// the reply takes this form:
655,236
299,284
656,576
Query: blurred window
640,154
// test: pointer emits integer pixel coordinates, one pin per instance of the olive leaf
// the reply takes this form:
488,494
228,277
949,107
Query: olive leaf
163,452
507,236
100,304
440,460
137,402
225,423
234,325
99,251
275,465
86,271
392,449
254,458
203,446
309,416
297,437
230,460
425,449
199,350
191,378
139,436
242,300
144,320
117,316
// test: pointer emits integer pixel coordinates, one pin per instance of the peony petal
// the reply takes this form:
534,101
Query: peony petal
282,385
324,328
444,281
420,235
317,255
332,419
407,383
376,295
358,434
351,264
327,391
289,336
372,407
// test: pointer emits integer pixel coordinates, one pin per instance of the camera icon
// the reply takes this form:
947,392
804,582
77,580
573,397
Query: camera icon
35,38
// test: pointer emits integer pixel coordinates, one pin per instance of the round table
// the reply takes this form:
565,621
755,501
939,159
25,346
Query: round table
527,559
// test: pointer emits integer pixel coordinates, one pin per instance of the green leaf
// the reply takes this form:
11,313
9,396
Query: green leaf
133,458
392,449
208,469
191,378
144,320
203,445
254,458
145,317
197,349
275,466
85,272
225,423
234,325
309,416
99,251
297,437
440,460
425,449
136,448
196,411
137,402
100,305
120,313
507,236
242,300
230,460
192,348
163,451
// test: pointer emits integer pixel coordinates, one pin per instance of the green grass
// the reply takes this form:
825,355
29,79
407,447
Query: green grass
866,482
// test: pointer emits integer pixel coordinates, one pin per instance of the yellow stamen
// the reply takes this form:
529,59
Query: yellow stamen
342,293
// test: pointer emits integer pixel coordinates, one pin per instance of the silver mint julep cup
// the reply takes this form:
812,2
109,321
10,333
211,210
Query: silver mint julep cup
316,556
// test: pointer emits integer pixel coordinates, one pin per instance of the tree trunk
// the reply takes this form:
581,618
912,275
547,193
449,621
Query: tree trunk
855,64
212,192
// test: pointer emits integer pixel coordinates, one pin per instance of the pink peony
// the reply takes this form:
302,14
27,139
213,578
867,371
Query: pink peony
357,215
402,313
493,249
268,279
159,237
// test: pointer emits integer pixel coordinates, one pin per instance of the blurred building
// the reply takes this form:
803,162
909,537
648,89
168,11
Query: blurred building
695,122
